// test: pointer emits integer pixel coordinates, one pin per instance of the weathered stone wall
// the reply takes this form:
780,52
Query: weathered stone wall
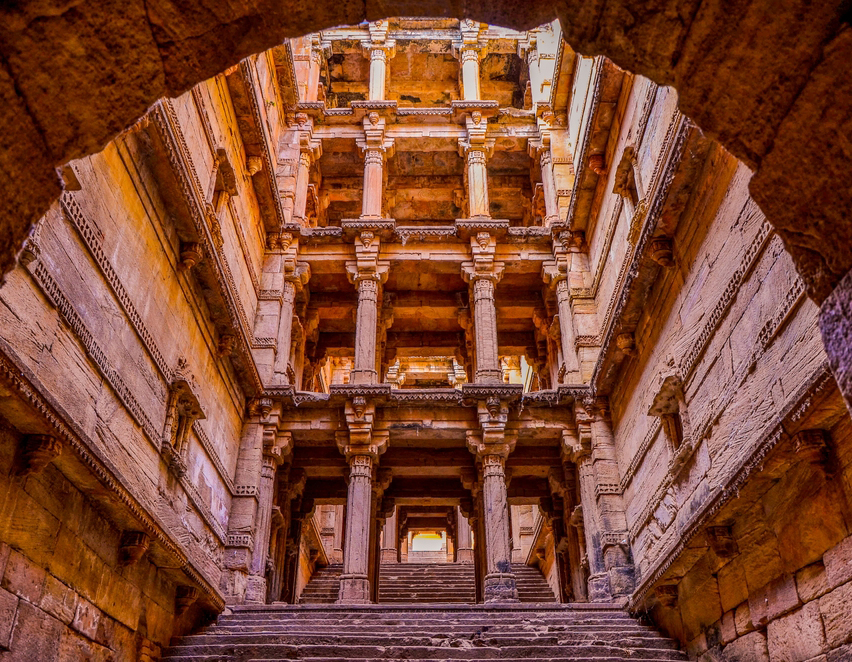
63,589
730,323
106,317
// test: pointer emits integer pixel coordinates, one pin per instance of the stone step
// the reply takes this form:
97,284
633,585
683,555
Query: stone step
465,650
427,639
419,629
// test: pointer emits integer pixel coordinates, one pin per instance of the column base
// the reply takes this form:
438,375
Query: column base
256,590
354,590
489,377
464,556
389,556
622,580
599,590
363,377
500,587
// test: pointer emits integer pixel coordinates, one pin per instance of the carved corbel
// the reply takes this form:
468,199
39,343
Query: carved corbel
226,344
669,406
722,541
577,444
812,446
661,251
185,597
133,546
36,452
191,253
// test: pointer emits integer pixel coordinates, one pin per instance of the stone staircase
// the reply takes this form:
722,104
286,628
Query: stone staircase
319,633
323,587
425,583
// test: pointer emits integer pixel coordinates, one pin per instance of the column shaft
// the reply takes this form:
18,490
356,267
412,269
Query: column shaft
551,203
378,73
354,582
302,180
371,202
485,328
389,540
598,590
365,332
285,331
464,551
499,579
477,183
470,74
566,329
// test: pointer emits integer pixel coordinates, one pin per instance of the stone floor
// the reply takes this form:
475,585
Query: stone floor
323,633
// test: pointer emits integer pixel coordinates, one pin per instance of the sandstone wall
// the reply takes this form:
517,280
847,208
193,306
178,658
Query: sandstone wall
105,317
731,321
63,590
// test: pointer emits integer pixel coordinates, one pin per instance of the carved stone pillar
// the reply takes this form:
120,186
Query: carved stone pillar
380,54
577,446
469,57
303,174
354,582
485,326
492,446
566,329
371,202
477,182
275,448
390,539
362,447
499,578
551,202
240,543
614,537
464,551
365,332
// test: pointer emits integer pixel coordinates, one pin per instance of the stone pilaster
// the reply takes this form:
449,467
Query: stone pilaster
362,447
276,446
464,550
492,446
483,274
612,540
577,446
240,543
390,542
368,273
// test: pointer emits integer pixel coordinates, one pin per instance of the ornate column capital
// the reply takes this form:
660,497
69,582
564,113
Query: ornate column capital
361,438
576,445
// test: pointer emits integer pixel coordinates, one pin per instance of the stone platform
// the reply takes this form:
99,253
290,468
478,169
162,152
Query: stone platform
553,632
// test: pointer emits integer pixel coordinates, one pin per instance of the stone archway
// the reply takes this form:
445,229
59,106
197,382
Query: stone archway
770,80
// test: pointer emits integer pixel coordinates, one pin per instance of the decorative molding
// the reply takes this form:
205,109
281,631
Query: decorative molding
78,219
23,383
164,118
266,155
747,263
54,294
630,266
794,296
581,159
820,379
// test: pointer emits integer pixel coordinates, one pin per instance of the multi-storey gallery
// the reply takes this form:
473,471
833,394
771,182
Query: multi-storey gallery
421,338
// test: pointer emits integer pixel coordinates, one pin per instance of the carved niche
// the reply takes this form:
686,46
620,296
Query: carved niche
669,406
182,410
